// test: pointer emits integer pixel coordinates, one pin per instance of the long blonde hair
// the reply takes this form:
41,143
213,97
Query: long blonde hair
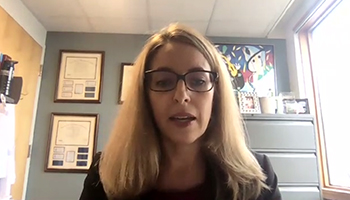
130,161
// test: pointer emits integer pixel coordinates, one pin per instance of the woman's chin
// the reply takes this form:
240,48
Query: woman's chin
183,139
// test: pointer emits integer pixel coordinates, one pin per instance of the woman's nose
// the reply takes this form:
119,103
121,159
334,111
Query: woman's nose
181,93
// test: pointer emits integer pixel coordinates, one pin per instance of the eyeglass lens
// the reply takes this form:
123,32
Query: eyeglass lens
195,81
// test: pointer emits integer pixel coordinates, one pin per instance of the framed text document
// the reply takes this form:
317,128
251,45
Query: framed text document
72,142
125,80
80,76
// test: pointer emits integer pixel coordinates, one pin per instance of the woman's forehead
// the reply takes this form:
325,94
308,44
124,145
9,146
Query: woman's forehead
179,57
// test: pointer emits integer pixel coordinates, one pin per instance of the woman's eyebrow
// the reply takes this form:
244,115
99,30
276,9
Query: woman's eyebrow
197,68
164,68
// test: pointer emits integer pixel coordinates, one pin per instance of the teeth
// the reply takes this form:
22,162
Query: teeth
184,117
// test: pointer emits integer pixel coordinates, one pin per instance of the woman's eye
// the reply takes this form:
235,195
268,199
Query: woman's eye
163,83
199,82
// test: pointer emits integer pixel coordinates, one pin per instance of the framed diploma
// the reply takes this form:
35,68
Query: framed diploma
72,142
80,76
125,80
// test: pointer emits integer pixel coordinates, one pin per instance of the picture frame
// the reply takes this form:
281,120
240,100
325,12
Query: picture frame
252,66
249,103
303,106
72,142
79,77
125,80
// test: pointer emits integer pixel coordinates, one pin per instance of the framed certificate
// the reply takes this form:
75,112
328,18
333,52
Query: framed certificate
72,142
80,76
125,80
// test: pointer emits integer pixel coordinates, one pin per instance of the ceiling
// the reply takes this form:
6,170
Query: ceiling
235,18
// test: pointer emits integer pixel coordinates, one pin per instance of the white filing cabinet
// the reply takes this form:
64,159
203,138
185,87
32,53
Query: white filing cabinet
290,143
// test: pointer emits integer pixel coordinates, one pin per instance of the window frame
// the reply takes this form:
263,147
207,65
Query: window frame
304,47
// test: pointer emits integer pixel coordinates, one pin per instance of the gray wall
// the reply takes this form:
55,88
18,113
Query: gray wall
118,48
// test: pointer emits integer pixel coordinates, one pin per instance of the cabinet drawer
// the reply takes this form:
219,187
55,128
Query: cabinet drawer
281,135
300,193
295,169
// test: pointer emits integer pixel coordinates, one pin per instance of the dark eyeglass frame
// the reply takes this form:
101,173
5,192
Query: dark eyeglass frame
215,77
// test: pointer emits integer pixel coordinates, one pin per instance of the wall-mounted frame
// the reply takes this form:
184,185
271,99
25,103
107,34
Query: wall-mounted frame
71,142
252,67
249,102
80,76
125,80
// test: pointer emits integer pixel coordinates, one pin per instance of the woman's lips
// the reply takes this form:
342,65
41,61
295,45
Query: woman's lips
182,119
182,123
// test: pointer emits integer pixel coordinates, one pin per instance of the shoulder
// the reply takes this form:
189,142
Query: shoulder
271,178
93,188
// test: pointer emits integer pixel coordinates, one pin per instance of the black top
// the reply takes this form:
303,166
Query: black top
93,188
203,191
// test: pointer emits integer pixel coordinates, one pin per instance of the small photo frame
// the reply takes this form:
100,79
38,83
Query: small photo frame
72,142
303,106
80,77
249,102
125,80
290,107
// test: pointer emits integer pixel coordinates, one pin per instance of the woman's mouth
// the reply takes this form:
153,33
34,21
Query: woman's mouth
182,119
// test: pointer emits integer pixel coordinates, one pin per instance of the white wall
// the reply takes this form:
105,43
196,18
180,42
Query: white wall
299,76
295,69
19,12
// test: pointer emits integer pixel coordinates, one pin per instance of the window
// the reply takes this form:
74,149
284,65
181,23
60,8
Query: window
324,45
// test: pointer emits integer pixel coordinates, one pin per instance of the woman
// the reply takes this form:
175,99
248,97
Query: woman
179,133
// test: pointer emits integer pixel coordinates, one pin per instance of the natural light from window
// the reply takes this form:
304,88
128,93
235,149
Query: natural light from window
330,56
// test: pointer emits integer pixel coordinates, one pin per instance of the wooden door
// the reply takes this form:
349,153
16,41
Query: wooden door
18,44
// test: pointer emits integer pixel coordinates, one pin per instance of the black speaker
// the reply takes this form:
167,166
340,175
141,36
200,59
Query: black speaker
10,86
6,76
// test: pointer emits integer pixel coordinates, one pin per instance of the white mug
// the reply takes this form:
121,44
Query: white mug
268,105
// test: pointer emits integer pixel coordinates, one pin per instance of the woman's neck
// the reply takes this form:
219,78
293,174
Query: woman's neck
182,167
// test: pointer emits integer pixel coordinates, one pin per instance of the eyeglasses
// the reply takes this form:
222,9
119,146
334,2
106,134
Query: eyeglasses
165,80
